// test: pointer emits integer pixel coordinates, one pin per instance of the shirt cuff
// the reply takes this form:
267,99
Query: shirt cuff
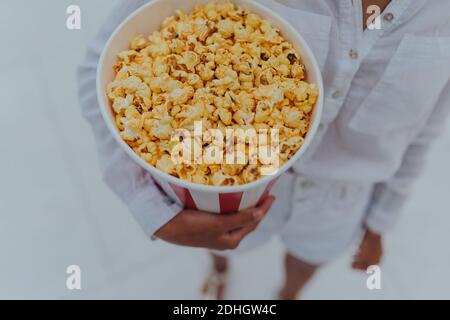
384,210
152,211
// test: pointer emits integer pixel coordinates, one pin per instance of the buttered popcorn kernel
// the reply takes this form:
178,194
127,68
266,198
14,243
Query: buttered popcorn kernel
220,65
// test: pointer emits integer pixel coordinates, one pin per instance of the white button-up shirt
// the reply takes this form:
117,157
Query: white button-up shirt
387,93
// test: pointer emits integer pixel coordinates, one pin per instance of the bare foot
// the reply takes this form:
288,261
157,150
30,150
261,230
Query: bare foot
216,283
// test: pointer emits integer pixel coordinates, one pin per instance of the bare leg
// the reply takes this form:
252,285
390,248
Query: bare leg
298,273
215,284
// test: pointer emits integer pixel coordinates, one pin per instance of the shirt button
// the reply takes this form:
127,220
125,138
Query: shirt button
343,192
353,54
388,17
336,94
307,184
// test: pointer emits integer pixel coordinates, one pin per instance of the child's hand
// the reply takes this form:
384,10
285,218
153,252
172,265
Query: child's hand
201,229
370,251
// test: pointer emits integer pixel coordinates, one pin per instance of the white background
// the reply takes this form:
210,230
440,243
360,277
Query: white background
55,210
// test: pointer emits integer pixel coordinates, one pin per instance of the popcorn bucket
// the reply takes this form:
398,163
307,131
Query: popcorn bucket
215,199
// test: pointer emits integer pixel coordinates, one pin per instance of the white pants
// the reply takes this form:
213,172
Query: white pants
316,220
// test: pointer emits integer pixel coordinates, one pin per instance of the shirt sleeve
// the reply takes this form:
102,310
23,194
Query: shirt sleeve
389,197
132,184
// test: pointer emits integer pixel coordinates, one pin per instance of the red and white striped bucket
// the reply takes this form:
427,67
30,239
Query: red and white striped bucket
214,199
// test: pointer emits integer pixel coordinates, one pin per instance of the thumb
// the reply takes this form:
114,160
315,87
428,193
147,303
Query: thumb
265,206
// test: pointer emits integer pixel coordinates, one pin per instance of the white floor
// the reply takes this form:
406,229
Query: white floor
55,211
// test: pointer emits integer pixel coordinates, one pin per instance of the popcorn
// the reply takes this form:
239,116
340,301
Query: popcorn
138,43
253,20
122,103
131,84
165,164
130,131
161,129
190,60
224,116
224,67
180,95
292,117
226,28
